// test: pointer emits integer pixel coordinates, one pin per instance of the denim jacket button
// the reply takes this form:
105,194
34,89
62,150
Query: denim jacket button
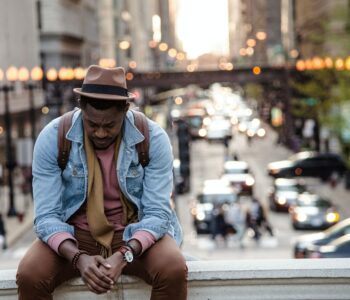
74,172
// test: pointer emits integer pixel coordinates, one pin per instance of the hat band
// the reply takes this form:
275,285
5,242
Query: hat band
104,89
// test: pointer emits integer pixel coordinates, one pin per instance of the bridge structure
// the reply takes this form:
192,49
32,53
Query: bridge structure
240,76
275,82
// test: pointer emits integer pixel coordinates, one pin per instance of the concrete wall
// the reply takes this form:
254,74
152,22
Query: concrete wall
221,280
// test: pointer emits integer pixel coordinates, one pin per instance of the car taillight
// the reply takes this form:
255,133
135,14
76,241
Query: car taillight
315,254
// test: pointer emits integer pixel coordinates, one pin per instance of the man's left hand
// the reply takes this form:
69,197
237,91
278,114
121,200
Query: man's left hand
117,263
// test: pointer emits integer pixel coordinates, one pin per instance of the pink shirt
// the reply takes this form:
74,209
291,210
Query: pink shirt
112,205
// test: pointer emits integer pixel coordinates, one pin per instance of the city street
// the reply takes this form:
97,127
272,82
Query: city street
207,163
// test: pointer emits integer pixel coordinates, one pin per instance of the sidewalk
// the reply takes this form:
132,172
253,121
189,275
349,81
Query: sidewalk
15,227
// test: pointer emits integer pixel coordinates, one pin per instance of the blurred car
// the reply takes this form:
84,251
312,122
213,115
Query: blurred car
284,193
214,192
313,212
218,129
195,118
339,248
237,173
308,163
314,240
254,129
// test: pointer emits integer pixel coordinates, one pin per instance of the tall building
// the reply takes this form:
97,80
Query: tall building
18,34
322,27
136,24
68,32
255,32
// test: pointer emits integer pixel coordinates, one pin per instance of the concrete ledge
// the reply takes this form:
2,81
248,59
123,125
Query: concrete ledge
220,280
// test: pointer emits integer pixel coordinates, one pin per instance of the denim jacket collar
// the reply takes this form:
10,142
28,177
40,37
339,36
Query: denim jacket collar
132,135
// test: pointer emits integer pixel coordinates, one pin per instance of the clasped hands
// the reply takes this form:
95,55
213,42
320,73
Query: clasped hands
100,274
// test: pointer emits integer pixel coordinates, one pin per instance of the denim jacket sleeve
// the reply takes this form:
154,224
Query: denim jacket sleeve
155,209
48,186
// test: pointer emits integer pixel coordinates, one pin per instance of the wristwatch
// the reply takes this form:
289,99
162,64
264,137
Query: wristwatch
128,255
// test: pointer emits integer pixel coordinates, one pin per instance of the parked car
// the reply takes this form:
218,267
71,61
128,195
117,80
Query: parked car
314,240
238,174
313,212
214,192
308,163
339,248
284,193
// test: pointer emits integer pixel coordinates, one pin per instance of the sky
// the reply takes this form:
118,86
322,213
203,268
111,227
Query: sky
202,26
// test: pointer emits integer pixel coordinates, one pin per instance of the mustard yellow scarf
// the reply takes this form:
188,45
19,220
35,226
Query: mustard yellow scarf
101,230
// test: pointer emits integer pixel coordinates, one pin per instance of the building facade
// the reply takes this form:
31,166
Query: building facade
69,33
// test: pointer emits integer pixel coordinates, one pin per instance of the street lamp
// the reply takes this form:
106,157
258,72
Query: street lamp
11,75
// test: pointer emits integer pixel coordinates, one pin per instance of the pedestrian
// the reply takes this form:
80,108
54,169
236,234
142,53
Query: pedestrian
236,218
258,219
105,214
3,244
218,224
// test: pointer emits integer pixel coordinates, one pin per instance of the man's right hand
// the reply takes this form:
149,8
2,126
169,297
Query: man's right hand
95,279
93,276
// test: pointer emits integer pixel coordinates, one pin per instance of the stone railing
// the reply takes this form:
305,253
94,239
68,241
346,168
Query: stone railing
214,280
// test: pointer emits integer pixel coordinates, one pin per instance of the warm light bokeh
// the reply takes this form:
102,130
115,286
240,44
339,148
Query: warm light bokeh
202,27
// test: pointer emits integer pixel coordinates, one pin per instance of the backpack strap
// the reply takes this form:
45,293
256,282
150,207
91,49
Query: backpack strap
143,147
64,145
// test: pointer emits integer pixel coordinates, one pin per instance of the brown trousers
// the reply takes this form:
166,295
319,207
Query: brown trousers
162,266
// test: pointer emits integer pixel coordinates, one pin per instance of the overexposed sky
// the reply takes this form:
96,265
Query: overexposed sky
202,26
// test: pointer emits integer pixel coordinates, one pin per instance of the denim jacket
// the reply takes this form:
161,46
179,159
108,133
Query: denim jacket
58,195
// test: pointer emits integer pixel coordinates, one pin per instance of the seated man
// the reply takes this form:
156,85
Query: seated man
104,214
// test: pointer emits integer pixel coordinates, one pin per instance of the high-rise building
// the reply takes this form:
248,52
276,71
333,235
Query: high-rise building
18,34
322,27
68,32
255,32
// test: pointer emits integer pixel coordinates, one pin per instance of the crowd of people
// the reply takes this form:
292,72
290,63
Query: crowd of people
235,219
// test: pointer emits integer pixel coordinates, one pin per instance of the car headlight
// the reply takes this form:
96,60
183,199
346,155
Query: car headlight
249,181
300,217
202,132
200,216
261,132
281,200
332,217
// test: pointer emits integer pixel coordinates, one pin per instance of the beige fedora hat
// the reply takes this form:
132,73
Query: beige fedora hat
105,83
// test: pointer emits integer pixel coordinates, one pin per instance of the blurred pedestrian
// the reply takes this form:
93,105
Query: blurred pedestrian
3,243
218,222
236,217
257,219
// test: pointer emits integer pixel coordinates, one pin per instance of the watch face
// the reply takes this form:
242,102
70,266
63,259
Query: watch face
129,257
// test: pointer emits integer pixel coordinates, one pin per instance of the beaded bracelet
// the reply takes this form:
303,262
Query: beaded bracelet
76,258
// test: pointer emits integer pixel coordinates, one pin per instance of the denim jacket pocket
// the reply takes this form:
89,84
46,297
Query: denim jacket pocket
74,177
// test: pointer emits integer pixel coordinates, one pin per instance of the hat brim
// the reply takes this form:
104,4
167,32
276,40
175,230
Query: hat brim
104,96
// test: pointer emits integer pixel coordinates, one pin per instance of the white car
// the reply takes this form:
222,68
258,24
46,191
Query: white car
219,128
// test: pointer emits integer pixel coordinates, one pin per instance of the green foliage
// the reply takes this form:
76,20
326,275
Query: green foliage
255,91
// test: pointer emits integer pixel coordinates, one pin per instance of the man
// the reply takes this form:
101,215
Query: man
104,214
